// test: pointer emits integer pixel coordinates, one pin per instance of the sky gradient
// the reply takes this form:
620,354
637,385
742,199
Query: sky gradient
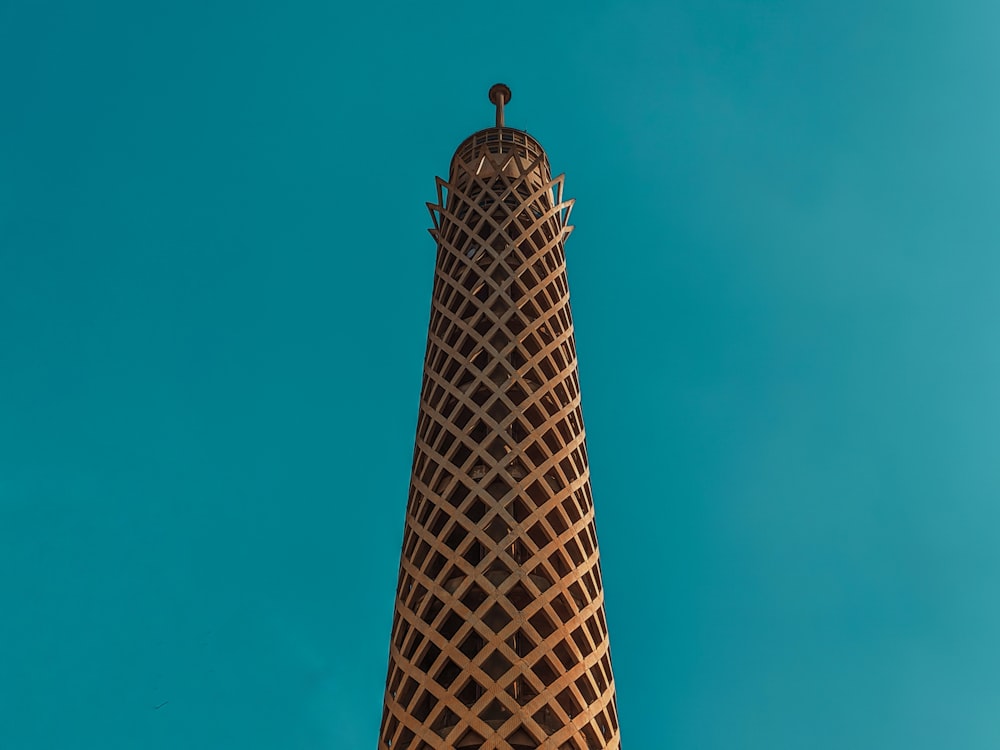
214,288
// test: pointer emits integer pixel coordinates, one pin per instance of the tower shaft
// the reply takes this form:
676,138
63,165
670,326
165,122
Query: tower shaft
499,637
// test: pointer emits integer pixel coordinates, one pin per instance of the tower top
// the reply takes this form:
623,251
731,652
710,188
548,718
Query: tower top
499,95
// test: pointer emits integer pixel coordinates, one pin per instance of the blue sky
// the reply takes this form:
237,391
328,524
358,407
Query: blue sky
214,287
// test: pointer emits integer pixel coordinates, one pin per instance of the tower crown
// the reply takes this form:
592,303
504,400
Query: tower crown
501,140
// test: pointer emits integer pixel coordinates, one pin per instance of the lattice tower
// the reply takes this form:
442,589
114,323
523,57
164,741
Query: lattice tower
499,638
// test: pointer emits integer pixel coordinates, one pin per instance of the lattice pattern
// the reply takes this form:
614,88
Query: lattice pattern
499,638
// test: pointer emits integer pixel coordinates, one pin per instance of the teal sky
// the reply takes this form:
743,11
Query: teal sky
214,286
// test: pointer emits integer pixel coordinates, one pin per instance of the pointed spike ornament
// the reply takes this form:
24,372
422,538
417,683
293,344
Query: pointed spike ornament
499,638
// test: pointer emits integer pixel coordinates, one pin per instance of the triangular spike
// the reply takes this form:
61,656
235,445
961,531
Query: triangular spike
435,212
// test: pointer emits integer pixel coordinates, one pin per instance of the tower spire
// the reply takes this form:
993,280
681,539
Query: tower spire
500,95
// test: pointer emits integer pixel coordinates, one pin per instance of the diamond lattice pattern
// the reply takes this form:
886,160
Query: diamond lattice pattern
499,638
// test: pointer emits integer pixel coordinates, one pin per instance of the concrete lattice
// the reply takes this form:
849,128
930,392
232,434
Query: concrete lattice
499,638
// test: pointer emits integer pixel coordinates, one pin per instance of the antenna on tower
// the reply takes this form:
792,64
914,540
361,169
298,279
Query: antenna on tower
499,95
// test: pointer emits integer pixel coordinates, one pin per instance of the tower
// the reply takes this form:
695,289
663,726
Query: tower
499,638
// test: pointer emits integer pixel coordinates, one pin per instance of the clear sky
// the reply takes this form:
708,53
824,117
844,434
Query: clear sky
214,286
